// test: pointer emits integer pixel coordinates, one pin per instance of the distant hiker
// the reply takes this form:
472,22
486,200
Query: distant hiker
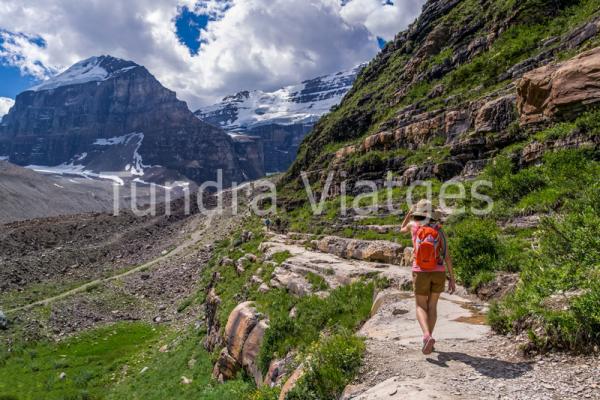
278,225
3,321
267,222
431,261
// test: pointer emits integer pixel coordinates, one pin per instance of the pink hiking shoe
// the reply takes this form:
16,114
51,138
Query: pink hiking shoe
428,343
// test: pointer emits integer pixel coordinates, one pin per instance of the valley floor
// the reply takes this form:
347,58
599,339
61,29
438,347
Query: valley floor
469,361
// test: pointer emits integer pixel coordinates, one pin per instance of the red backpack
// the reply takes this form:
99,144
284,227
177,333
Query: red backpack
427,244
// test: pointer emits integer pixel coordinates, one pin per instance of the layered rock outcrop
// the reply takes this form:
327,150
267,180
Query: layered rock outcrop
366,250
443,98
561,90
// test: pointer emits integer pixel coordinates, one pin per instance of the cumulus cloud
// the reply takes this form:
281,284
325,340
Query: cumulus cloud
5,105
382,18
249,44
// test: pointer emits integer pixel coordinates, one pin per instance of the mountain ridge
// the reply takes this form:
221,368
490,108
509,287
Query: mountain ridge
281,118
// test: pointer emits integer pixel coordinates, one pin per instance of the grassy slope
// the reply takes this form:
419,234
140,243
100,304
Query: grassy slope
562,187
367,105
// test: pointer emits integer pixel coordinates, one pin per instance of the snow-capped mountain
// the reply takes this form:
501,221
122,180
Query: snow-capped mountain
297,104
93,69
106,117
281,118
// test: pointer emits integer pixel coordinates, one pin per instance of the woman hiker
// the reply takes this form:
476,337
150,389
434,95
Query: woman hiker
431,260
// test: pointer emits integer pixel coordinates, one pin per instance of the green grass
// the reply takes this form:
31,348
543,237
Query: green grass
90,362
317,282
329,366
162,380
568,260
345,308
281,256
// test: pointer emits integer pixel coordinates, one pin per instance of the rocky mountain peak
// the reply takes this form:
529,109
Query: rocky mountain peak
105,114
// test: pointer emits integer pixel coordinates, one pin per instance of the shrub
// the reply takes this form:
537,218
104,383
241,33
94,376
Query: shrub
475,247
329,367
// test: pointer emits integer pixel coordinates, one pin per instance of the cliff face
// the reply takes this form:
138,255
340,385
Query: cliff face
281,119
441,99
82,115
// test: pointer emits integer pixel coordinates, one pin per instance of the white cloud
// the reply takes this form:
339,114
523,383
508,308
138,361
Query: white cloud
383,19
5,105
254,44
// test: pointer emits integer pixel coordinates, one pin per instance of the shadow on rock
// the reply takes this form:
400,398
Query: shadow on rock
489,367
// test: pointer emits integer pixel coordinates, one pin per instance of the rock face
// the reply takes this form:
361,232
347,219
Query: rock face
281,119
375,251
107,114
561,90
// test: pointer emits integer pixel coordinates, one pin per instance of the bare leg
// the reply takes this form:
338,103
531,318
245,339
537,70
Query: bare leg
432,311
422,313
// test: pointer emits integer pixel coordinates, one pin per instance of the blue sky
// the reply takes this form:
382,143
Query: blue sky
188,25
13,82
201,49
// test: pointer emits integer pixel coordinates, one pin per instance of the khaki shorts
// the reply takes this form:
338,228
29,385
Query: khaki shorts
425,283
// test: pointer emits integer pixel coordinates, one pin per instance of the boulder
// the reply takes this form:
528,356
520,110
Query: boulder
226,366
366,250
240,323
407,257
291,281
277,370
291,382
560,91
263,288
213,335
226,262
251,350
251,257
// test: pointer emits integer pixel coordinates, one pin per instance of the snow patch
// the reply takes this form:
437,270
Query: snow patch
5,105
75,168
82,72
297,104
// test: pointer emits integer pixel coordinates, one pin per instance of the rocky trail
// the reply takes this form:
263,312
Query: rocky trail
196,236
469,360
